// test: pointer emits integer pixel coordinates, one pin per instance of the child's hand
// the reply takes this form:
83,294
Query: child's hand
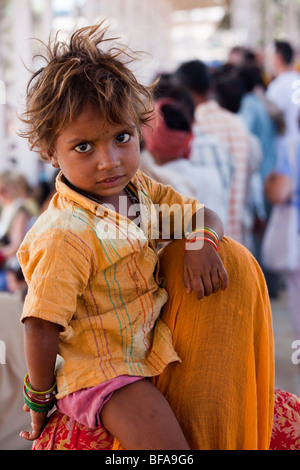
203,271
37,425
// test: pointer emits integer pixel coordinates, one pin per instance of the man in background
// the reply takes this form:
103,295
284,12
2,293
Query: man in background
284,90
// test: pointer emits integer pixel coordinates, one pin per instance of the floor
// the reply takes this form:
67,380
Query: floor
287,374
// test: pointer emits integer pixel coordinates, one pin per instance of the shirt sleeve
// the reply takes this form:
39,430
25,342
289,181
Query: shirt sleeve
56,270
273,94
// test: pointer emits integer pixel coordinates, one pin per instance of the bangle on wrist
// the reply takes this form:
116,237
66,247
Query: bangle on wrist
213,236
205,239
40,402
35,392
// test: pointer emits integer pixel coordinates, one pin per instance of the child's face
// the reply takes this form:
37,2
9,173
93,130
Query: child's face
97,157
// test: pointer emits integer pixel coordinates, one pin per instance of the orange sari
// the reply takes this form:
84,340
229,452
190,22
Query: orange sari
223,391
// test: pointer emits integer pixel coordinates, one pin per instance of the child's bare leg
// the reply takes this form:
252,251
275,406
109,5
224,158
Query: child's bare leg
140,417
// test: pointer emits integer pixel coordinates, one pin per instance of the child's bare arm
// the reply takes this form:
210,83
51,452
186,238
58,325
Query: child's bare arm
41,346
203,269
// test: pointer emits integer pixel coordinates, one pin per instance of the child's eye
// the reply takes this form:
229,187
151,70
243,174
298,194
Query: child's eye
123,138
84,147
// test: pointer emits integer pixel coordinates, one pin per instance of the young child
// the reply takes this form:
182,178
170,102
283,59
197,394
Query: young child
94,293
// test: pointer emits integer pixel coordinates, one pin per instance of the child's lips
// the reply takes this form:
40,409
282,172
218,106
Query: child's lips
111,181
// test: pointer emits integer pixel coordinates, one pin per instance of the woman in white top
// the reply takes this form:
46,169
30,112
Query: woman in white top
14,221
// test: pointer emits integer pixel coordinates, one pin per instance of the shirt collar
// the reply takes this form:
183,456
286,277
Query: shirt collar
210,104
64,190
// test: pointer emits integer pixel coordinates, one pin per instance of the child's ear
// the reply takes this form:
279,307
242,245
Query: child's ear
52,157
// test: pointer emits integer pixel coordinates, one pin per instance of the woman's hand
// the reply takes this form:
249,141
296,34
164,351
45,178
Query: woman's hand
204,271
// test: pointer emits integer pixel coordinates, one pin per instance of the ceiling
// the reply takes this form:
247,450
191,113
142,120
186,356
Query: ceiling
190,4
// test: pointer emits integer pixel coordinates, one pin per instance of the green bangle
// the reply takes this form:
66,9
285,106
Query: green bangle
36,407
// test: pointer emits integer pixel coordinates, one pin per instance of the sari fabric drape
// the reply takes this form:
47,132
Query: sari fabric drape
223,391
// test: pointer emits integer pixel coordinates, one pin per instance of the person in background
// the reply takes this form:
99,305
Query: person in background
229,91
278,189
213,119
240,89
172,155
26,193
254,112
14,220
206,151
257,112
284,88
161,145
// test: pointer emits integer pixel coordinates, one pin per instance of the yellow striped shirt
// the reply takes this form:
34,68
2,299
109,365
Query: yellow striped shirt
95,273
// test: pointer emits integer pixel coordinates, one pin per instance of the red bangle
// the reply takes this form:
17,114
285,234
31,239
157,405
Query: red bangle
204,239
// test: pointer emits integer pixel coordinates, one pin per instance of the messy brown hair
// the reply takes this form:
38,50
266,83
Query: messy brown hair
77,73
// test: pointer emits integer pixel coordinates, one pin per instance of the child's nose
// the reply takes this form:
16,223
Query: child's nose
108,159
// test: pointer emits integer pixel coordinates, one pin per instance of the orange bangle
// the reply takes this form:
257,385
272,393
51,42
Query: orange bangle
204,239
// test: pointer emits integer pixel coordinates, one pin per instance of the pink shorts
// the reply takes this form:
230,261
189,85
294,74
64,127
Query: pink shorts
84,406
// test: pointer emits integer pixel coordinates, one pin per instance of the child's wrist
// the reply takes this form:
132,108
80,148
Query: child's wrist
204,234
40,402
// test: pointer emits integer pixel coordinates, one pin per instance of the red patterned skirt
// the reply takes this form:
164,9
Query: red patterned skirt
63,433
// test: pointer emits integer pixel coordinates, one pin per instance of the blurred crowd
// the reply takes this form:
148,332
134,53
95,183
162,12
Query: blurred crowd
220,135
20,205
224,135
